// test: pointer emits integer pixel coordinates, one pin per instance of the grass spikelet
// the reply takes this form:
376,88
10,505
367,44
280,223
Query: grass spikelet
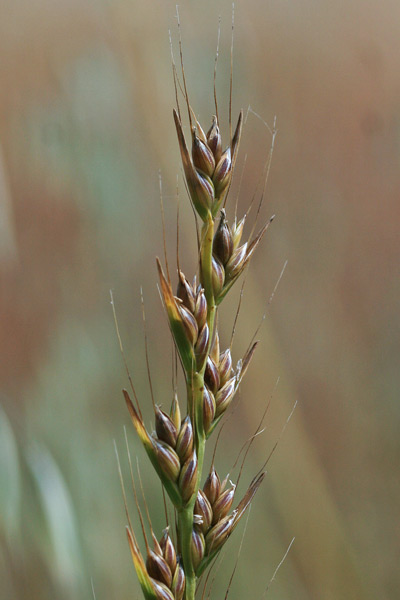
202,505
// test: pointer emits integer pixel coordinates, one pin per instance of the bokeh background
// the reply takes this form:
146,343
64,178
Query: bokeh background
85,128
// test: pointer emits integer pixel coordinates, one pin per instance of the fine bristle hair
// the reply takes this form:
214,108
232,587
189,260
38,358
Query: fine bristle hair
199,506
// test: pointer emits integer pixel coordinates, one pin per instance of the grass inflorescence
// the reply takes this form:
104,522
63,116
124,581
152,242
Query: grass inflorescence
205,506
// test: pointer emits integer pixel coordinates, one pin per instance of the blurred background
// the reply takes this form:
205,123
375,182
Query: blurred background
85,127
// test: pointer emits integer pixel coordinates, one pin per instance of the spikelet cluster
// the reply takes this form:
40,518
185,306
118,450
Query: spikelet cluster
165,570
176,448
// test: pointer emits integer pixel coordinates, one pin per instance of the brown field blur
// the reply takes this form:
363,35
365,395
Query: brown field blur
85,128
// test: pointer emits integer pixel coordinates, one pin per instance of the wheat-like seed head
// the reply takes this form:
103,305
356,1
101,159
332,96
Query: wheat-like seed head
205,518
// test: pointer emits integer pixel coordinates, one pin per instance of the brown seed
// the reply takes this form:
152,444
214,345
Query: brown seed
175,412
198,548
161,591
202,156
209,408
212,486
165,428
185,292
218,275
223,173
214,140
218,534
223,242
178,582
168,550
167,459
188,478
158,568
225,366
203,508
200,311
211,375
157,547
201,346
224,396
201,188
189,323
236,263
184,443
214,353
223,504
237,231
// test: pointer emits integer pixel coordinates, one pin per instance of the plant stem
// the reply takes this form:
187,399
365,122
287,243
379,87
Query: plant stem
195,393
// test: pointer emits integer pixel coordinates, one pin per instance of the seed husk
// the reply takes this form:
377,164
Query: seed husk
218,275
236,262
211,375
223,242
201,346
223,173
158,568
218,534
209,408
167,459
185,292
188,478
223,504
178,582
200,311
189,323
214,139
203,508
202,156
225,366
214,352
224,396
168,550
175,412
165,428
197,547
212,486
161,590
184,443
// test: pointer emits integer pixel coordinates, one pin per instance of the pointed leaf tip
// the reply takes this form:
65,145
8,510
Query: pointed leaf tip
137,421
140,567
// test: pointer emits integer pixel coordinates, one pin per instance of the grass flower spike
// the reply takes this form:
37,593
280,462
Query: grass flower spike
205,507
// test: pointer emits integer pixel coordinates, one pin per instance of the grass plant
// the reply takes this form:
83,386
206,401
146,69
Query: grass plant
206,511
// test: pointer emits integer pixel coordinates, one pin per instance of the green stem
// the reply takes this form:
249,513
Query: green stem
207,235
195,392
185,526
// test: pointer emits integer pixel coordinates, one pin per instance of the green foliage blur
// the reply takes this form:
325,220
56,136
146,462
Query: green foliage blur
85,129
